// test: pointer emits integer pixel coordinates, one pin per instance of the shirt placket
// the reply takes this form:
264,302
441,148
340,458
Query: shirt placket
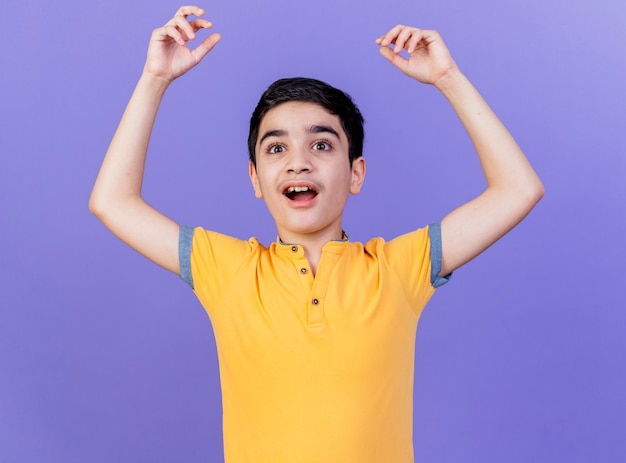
314,286
316,305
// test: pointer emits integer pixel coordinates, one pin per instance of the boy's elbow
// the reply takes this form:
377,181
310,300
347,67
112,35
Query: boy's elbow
537,190
520,199
531,194
99,206
95,206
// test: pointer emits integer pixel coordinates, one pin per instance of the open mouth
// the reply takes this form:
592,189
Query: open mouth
300,193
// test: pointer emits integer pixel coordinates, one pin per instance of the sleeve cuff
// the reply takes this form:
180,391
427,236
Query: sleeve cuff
185,239
434,233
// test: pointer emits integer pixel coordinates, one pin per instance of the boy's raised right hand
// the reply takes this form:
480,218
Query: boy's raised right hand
169,55
116,197
428,57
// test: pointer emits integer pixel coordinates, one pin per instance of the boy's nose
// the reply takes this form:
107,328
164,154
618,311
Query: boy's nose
298,162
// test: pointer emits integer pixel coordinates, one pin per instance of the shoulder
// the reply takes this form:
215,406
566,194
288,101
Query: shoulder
417,253
400,245
202,251
200,236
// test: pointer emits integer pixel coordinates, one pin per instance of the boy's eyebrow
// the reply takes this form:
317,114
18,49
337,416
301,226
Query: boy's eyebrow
312,129
323,129
272,133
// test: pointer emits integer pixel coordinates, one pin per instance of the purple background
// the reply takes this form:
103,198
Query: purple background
105,357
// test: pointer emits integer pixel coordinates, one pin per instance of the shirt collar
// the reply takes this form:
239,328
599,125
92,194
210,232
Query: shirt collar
344,237
296,250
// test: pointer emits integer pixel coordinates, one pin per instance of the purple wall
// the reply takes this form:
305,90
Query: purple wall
106,358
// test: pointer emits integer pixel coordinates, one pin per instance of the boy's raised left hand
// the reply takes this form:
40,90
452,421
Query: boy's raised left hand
169,54
428,57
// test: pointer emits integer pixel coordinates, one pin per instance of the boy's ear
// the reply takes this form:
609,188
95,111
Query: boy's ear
255,180
358,175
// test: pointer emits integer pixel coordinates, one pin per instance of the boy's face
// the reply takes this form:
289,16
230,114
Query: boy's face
303,172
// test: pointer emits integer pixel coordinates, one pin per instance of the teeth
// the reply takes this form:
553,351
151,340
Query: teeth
297,189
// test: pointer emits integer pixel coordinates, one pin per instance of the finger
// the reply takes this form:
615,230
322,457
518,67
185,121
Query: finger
388,38
395,59
183,25
185,11
165,32
206,46
198,24
380,39
403,36
415,40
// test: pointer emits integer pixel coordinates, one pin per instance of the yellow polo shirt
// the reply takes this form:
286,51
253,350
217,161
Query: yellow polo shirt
314,368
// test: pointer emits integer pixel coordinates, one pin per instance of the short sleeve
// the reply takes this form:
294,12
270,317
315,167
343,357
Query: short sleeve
185,239
209,261
415,259
434,234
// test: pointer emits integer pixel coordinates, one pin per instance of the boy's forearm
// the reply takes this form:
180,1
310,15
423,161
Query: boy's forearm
121,175
503,162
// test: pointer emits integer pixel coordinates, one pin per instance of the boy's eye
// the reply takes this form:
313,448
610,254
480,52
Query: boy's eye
322,146
274,149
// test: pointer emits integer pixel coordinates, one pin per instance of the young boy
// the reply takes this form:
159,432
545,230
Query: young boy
315,333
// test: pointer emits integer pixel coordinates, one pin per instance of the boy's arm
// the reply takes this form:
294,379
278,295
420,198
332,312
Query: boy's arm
116,196
513,187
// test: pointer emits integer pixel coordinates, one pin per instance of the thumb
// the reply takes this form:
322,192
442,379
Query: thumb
206,46
394,58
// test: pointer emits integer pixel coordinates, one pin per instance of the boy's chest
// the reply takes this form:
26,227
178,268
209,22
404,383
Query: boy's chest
288,316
